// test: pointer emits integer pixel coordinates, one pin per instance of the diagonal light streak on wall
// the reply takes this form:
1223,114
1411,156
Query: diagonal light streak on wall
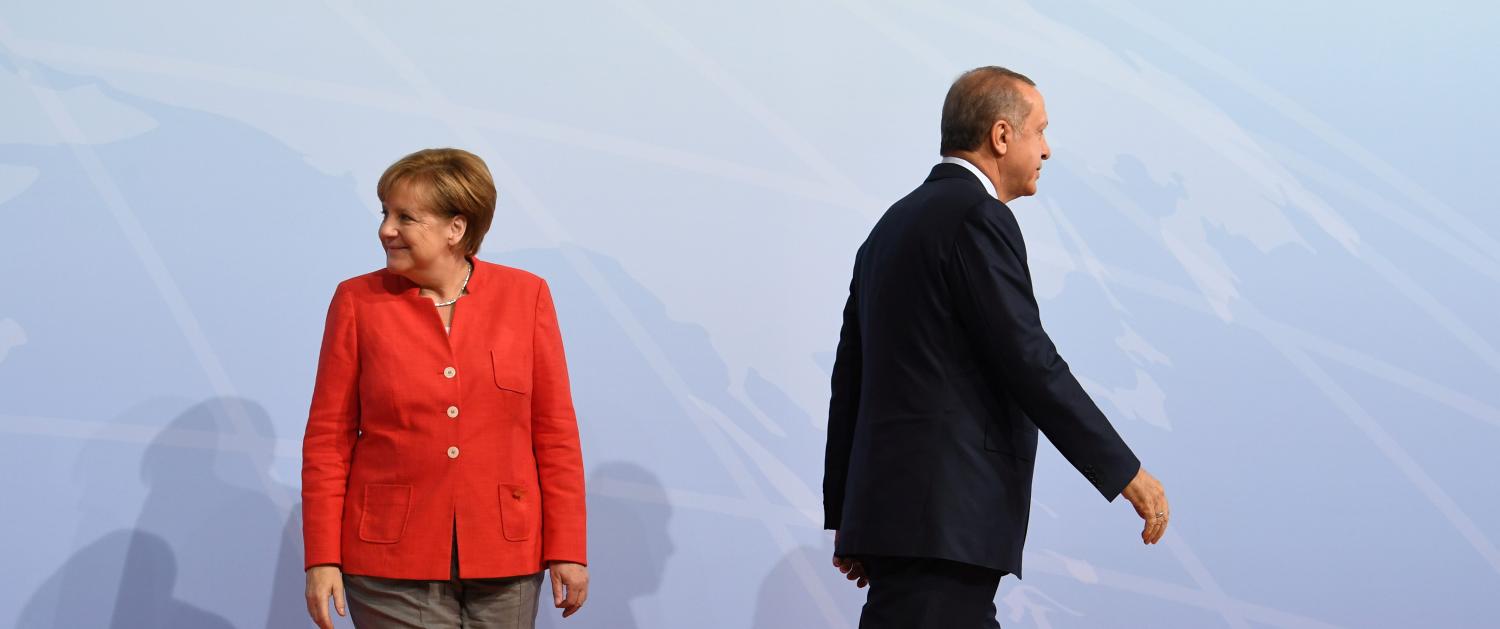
1162,590
140,243
1441,240
745,99
1208,59
1349,356
1393,451
1090,262
1288,345
400,103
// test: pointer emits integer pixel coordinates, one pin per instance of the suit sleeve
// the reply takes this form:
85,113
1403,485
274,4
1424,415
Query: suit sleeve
998,310
843,409
332,427
554,441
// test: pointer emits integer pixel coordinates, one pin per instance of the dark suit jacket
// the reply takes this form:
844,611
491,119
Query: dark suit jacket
943,376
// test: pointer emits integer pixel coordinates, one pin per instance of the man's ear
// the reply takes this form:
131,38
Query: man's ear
1000,136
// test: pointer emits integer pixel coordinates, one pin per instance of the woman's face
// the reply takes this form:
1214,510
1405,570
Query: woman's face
413,236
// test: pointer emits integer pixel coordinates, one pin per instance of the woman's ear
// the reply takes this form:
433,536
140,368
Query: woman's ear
459,227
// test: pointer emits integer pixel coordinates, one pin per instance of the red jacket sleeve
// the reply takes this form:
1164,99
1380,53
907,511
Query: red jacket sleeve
554,438
332,426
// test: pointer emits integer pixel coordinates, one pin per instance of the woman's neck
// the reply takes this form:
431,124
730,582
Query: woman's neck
443,281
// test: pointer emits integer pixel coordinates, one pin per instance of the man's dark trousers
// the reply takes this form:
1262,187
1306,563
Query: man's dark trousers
923,593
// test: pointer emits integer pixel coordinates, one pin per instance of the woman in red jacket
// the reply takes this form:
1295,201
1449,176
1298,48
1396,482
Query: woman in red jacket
441,469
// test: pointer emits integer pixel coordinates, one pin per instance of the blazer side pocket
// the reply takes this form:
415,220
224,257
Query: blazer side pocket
517,512
385,512
1011,434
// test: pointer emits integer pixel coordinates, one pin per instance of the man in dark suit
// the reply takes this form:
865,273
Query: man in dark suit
944,375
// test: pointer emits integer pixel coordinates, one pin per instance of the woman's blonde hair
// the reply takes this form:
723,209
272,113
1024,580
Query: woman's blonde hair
454,182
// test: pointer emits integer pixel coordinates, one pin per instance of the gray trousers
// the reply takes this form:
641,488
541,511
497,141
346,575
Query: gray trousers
506,603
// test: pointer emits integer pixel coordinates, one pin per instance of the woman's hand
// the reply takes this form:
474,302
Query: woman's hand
323,582
574,577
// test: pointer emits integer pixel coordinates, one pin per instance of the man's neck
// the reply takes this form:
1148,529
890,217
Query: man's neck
987,169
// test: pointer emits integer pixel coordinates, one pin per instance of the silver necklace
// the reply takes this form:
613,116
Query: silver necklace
461,289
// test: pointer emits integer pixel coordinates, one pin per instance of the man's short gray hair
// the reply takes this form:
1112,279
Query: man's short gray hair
976,100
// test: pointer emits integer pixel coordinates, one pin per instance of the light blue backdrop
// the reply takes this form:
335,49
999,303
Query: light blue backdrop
1266,244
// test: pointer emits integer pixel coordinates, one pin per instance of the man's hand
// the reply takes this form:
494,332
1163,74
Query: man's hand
1150,502
323,582
572,577
852,568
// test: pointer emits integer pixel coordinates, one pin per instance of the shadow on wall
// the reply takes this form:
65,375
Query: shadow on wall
628,548
210,546
289,581
124,580
627,409
785,600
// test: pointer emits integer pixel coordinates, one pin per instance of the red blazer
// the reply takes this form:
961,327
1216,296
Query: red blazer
414,432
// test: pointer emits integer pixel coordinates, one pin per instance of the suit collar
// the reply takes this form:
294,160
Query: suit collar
959,168
481,276
984,180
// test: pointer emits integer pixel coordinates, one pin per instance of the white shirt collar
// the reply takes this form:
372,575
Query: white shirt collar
988,186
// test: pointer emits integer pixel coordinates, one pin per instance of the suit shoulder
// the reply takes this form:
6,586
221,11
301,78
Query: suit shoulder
964,203
962,192
991,212
510,274
992,221
364,284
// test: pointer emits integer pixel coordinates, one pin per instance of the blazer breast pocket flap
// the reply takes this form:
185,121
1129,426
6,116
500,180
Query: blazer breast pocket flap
512,371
